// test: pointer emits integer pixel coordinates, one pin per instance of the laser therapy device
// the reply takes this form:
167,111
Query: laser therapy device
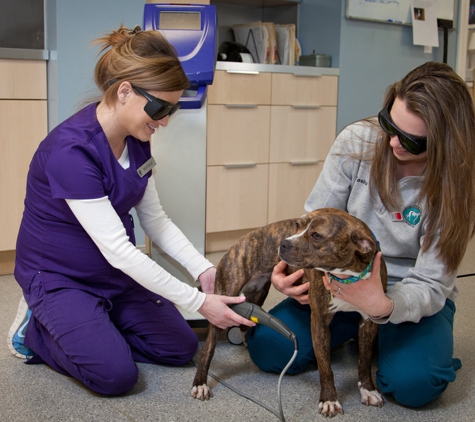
180,148
191,29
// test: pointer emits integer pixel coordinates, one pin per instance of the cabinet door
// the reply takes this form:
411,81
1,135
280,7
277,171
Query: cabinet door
23,79
238,135
23,125
240,88
301,134
289,89
289,187
235,198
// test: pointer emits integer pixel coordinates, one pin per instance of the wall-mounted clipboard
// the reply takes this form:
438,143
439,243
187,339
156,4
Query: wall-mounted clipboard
394,11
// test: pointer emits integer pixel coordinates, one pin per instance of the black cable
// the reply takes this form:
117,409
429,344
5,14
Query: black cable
446,41
466,275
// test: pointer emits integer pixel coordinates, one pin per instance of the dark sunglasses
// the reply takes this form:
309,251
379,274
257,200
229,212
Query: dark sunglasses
156,108
410,143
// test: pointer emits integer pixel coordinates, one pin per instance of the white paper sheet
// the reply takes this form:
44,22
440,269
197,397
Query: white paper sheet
424,23
255,37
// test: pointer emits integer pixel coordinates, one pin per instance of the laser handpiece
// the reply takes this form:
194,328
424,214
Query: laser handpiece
256,314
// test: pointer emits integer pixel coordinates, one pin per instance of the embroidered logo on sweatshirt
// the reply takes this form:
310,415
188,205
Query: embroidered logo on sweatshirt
412,215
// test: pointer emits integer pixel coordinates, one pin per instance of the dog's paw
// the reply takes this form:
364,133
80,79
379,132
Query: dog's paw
330,408
201,392
370,398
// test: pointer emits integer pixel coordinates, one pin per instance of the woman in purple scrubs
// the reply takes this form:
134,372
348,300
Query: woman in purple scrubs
93,304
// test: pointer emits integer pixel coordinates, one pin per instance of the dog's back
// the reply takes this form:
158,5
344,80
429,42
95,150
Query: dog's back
255,255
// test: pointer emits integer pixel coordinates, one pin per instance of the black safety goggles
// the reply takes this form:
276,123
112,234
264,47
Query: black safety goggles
156,108
411,143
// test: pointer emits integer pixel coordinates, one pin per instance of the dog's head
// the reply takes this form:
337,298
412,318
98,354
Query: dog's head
332,240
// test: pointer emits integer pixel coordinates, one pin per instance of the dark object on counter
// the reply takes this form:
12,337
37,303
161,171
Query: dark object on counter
230,51
316,60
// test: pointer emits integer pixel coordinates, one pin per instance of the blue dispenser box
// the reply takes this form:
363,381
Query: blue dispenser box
191,29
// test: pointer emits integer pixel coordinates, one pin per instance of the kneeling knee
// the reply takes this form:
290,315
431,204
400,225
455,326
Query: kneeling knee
189,348
116,380
271,352
412,389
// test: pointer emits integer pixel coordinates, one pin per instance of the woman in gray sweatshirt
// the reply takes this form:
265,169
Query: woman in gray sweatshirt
409,173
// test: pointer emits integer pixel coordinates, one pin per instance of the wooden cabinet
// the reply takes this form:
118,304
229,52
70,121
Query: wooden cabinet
22,79
303,125
226,142
304,89
238,128
240,87
268,133
23,124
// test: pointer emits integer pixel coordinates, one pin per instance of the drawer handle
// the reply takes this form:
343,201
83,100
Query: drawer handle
308,75
308,107
240,166
305,163
241,105
244,72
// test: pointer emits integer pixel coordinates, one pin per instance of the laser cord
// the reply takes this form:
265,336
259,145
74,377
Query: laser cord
258,315
279,414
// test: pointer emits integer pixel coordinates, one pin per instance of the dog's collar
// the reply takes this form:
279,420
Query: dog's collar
356,278
353,279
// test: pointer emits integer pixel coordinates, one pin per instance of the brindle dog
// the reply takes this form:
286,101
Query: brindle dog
325,240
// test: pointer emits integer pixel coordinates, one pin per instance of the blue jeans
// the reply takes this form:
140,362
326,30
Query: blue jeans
415,362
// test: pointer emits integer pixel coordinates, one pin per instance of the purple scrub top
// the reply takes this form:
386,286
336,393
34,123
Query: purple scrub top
75,161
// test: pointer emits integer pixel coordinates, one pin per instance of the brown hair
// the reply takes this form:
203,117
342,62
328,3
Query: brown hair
144,58
436,94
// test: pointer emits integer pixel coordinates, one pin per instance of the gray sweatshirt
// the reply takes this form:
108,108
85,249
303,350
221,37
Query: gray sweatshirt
418,282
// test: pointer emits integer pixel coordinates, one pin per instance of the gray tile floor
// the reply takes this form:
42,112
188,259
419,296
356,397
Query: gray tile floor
36,393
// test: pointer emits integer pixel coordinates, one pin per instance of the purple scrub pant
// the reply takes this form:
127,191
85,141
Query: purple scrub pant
97,341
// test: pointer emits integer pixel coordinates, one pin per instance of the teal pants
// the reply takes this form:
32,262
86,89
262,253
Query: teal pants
415,362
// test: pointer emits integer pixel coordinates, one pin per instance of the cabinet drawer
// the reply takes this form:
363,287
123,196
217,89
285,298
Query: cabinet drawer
240,88
236,198
289,187
17,146
301,134
289,89
23,79
238,135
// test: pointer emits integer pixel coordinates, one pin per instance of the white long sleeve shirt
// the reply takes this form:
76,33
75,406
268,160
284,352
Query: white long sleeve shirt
101,222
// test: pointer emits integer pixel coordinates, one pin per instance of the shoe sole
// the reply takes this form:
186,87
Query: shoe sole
20,317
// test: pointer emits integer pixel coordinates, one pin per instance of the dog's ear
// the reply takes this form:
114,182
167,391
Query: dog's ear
363,243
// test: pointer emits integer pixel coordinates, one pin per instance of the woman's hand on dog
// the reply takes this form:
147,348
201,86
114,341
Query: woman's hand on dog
215,309
367,295
285,283
206,279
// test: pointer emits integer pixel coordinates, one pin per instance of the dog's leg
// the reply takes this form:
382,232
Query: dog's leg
367,334
200,389
320,320
257,288
256,291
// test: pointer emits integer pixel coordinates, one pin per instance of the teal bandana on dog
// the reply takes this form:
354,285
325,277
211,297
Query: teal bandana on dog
353,279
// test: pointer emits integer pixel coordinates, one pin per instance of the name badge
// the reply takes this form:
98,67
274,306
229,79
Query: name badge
146,167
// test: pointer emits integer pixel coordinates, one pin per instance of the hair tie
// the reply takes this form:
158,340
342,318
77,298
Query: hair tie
136,29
